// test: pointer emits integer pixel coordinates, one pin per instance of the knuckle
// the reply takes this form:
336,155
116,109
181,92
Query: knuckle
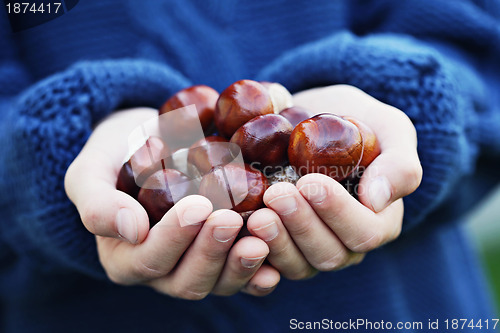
214,256
116,278
405,121
89,215
188,294
337,261
412,173
396,233
357,258
114,274
225,292
366,242
69,175
300,228
302,274
147,270
282,250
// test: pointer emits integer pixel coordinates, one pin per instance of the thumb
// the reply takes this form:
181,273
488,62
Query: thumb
105,211
391,176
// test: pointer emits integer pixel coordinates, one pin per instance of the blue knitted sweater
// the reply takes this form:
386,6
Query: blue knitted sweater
437,60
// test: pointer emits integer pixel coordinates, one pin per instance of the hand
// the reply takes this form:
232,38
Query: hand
188,254
317,224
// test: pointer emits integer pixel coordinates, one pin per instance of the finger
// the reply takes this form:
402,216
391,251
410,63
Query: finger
264,281
200,267
359,228
243,261
165,244
316,240
105,211
283,253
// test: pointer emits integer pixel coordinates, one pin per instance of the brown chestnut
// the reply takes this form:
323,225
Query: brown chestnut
295,114
210,152
280,96
371,146
183,129
126,180
325,144
234,187
162,190
240,102
142,164
264,141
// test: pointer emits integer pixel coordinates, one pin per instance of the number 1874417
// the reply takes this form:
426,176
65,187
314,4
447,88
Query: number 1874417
30,7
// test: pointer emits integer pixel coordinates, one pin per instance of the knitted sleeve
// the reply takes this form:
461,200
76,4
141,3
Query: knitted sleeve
443,95
42,129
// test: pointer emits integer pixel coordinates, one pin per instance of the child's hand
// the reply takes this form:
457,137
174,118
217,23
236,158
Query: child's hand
317,224
188,254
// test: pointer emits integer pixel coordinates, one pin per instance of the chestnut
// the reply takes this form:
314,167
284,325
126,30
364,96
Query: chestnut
295,114
236,187
142,164
162,190
264,141
280,96
126,180
326,144
240,102
210,152
183,129
371,146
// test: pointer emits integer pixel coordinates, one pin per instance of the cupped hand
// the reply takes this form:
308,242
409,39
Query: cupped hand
189,254
317,224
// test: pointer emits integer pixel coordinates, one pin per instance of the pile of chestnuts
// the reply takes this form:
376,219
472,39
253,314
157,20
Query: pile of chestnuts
237,144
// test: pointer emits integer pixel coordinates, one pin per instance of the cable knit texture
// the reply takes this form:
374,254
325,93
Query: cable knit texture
51,122
437,61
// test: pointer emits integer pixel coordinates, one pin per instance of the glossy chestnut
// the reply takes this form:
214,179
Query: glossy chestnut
325,144
371,146
264,141
142,164
240,102
183,129
162,190
126,180
210,152
295,114
236,187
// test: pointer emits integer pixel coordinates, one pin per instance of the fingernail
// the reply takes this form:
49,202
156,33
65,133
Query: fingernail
251,262
314,193
267,232
284,205
225,234
379,193
195,215
127,225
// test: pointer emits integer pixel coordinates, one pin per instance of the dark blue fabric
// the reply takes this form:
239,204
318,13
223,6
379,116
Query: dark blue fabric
435,60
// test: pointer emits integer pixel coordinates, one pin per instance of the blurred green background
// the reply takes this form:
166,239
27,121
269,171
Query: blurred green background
484,224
